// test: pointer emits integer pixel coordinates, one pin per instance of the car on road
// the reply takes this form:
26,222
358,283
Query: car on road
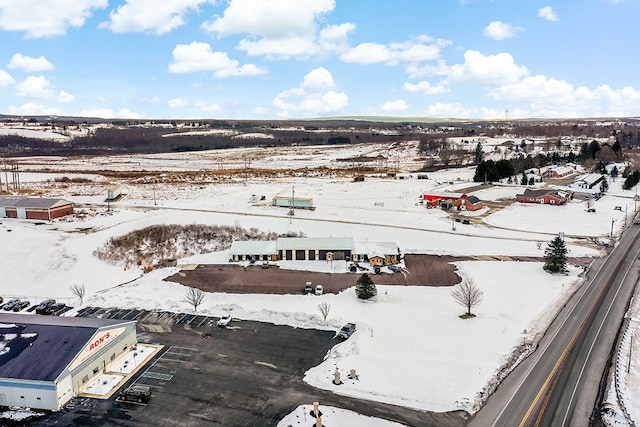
136,393
224,321
319,290
21,305
346,331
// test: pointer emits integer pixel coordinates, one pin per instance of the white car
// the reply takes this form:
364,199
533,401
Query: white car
224,321
319,290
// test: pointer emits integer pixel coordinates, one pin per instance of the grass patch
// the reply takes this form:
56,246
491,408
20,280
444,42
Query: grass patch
467,316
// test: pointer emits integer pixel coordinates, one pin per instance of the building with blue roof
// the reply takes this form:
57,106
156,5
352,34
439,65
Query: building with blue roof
46,360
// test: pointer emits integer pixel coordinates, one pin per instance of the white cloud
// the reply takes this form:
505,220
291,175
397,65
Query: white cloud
499,30
458,110
421,48
550,97
367,53
334,38
197,57
425,87
397,105
158,17
107,113
29,64
35,87
6,79
487,69
284,28
315,95
177,103
207,107
52,18
32,109
439,69
65,97
548,14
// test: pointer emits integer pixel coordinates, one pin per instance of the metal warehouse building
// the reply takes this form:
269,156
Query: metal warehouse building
34,208
46,360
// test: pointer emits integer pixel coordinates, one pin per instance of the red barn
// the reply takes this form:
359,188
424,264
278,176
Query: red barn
468,203
433,198
34,208
547,197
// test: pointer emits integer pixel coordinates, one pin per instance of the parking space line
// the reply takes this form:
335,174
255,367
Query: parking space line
203,320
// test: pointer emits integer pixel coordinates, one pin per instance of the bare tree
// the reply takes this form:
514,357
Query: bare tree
324,308
195,297
468,295
78,290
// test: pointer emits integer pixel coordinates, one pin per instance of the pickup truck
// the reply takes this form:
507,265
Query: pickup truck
346,331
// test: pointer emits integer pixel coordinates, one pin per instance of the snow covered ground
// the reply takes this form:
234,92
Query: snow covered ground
410,348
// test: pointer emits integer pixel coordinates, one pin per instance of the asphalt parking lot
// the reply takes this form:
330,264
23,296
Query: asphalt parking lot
249,374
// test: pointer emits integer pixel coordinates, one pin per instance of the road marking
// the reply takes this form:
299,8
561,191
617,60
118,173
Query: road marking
270,365
566,351
573,393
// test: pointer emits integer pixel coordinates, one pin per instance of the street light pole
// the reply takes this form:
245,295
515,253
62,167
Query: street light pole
611,235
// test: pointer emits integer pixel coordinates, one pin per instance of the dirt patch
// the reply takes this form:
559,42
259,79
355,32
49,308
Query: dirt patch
421,270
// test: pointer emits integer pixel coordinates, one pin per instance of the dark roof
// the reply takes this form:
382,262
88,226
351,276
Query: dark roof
473,200
41,347
32,202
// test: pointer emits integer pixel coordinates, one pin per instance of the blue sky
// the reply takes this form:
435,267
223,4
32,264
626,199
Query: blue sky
278,59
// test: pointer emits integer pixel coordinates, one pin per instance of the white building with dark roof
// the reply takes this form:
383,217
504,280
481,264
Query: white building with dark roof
46,360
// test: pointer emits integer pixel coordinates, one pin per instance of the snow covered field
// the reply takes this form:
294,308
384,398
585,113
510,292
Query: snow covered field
411,348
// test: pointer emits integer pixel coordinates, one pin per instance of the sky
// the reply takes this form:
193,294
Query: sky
289,59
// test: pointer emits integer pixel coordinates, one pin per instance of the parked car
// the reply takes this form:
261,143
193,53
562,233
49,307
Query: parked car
8,306
56,309
319,290
308,288
43,307
346,331
136,393
224,321
21,305
394,268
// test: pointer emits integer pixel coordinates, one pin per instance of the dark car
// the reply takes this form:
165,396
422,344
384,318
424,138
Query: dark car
43,307
56,309
136,393
21,305
346,331
8,306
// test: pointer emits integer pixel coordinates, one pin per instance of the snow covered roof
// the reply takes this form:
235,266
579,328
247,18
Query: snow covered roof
32,202
327,243
253,247
590,178
375,248
41,347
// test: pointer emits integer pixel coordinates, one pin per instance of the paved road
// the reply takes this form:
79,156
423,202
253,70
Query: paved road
558,384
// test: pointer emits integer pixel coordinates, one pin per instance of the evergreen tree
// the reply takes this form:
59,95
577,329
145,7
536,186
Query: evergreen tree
365,288
555,256
614,171
479,154
604,185
524,180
